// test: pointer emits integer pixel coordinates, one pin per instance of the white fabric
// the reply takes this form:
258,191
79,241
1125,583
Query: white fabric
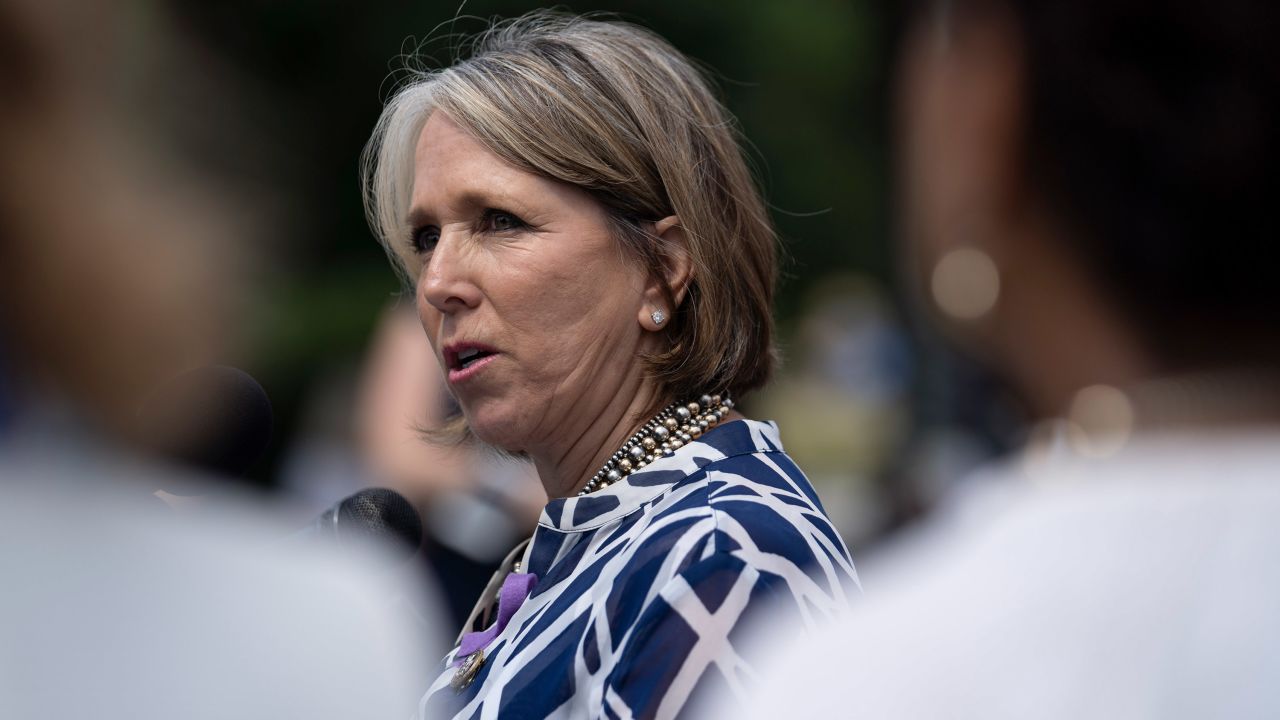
112,607
1143,586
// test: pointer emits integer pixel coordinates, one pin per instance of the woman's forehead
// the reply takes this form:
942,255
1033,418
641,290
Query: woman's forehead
454,171
444,148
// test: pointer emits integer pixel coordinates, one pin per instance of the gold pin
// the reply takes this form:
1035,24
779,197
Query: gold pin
467,671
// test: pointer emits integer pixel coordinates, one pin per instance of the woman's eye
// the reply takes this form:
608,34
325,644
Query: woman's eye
499,221
424,239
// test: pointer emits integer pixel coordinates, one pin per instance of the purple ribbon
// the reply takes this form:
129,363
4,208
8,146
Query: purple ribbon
515,589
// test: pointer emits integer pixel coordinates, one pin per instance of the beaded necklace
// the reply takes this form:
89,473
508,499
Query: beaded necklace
677,424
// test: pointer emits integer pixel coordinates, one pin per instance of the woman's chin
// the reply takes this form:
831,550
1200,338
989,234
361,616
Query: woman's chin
495,432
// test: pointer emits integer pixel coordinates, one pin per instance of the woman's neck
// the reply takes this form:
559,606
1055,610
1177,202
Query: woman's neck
568,462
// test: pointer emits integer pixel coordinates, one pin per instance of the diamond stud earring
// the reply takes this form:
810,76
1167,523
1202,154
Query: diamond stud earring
658,317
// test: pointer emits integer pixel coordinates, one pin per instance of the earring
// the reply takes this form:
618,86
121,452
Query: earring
965,284
658,318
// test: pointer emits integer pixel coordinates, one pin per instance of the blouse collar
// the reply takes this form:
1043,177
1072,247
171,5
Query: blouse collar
588,512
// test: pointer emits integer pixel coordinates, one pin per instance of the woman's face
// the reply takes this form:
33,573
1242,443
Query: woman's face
528,301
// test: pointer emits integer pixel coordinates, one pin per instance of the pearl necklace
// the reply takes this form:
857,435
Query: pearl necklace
669,430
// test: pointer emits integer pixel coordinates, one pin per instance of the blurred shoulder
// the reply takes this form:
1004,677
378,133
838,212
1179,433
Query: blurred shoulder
1079,588
200,615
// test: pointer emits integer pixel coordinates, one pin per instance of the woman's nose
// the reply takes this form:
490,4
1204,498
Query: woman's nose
447,282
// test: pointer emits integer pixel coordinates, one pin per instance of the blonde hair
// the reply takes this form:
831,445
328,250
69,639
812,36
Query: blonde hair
613,109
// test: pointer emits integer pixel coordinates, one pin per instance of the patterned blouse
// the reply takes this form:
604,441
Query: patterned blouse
640,589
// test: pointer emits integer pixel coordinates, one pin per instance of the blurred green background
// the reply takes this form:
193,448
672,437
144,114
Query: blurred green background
806,80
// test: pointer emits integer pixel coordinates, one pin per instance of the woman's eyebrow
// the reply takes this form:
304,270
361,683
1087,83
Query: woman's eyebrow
417,217
471,200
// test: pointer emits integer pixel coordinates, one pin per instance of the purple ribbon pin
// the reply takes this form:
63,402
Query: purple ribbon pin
515,589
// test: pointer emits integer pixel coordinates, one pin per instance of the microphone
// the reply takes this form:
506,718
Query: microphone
375,515
215,418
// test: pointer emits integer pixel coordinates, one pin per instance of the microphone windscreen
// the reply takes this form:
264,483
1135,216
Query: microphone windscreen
215,418
382,515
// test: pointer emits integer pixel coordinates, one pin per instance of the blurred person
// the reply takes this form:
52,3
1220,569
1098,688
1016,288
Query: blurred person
594,268
1084,201
843,396
476,505
112,267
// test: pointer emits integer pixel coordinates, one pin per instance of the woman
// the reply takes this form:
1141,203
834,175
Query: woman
595,268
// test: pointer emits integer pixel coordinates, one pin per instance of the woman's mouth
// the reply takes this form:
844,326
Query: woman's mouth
462,361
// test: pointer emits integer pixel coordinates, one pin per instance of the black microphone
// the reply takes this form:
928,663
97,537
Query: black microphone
214,418
372,515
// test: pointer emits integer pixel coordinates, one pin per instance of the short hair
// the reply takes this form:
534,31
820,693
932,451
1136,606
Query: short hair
613,109
1151,131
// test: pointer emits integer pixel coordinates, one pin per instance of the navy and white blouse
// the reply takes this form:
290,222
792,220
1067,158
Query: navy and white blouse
642,588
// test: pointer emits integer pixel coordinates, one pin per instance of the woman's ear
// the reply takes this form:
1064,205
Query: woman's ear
663,294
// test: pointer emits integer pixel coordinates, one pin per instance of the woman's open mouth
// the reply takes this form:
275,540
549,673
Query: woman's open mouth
464,360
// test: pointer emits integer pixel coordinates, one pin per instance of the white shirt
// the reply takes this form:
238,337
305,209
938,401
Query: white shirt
1142,586
111,607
